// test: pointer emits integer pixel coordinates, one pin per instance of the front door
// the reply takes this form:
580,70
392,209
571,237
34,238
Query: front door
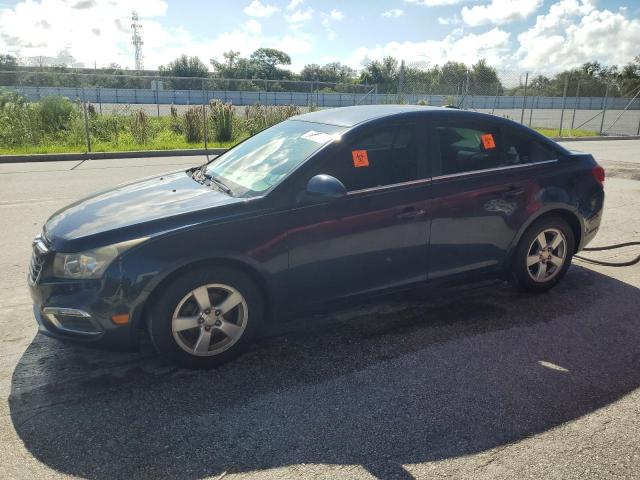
375,237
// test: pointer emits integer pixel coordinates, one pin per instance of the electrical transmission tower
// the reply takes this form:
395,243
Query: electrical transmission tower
136,39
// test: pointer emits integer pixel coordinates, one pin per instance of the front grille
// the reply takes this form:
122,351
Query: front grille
38,257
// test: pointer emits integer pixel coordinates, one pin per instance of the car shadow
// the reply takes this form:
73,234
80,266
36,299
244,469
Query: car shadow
420,377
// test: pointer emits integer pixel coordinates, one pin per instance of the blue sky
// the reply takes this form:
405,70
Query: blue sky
537,35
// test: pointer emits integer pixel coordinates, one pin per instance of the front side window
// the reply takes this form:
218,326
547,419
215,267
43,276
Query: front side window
264,160
467,149
386,156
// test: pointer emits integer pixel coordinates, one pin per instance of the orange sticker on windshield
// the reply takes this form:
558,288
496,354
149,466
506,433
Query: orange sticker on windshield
487,141
360,158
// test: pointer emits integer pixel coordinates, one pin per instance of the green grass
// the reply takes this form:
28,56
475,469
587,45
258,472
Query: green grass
99,146
553,132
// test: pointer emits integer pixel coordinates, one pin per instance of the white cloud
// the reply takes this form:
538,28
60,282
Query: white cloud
336,15
453,20
435,3
393,13
101,32
300,16
89,31
574,32
499,12
257,9
492,45
253,26
294,3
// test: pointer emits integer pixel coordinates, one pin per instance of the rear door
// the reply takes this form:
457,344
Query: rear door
483,187
377,236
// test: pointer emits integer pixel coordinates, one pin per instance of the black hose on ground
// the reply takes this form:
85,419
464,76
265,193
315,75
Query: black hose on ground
609,247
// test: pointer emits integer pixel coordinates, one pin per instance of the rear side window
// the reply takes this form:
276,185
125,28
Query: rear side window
520,148
467,149
385,156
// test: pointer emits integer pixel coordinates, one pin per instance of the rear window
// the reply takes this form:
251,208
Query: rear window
467,149
520,148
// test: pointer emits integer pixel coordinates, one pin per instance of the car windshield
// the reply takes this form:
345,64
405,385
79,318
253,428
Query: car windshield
264,160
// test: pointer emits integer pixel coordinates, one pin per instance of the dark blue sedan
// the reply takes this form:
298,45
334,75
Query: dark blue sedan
324,207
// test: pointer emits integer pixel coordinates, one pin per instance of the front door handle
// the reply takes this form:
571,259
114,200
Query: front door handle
411,213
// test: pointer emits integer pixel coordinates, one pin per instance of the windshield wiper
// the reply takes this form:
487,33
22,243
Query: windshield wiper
221,185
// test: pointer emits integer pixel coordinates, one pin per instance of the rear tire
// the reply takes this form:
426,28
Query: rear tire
543,255
205,317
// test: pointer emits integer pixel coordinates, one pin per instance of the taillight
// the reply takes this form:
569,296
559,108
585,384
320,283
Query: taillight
598,174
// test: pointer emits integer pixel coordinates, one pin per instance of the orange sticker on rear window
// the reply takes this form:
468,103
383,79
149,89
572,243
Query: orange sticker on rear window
360,158
487,141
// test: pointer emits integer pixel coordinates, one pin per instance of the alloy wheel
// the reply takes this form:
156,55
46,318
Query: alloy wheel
209,319
546,255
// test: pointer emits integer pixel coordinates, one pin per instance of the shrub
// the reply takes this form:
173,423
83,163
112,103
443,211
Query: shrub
56,113
222,116
258,117
193,124
140,127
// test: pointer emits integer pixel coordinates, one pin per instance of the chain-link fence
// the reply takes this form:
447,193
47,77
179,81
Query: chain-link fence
54,111
563,105
57,111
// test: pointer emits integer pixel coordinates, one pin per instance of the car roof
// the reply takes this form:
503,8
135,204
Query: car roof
351,116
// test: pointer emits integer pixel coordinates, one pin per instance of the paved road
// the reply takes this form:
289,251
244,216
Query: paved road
481,382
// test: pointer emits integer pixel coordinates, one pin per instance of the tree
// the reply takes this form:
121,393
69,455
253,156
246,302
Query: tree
384,74
8,62
334,72
185,66
484,79
267,61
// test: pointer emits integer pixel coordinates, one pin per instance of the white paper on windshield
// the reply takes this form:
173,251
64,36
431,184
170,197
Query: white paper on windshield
318,137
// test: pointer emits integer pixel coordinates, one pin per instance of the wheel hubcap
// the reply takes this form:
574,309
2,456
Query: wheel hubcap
547,254
209,319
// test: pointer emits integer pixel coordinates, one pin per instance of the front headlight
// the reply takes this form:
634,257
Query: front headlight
92,263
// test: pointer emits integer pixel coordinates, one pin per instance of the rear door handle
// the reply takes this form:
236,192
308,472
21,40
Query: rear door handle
411,213
513,192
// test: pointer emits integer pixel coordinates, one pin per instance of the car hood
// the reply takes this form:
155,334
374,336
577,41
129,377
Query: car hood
154,199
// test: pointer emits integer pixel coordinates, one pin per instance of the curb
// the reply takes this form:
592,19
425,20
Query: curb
592,139
63,157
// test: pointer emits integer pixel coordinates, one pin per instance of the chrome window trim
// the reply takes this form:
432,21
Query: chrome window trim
420,181
451,175
496,169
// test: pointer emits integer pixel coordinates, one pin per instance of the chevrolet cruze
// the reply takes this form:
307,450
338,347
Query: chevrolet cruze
325,207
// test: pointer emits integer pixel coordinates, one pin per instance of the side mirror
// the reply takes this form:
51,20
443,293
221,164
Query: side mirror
323,188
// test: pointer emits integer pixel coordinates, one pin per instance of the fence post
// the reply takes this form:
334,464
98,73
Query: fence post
100,99
524,99
575,105
204,118
533,100
157,82
376,100
86,126
400,81
604,108
564,100
495,100
638,132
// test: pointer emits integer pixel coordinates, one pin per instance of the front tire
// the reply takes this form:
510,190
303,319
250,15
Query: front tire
205,317
543,255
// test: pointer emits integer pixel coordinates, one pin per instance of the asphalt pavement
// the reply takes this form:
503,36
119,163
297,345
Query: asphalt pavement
474,382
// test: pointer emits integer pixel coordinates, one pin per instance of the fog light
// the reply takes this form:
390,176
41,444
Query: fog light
71,320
